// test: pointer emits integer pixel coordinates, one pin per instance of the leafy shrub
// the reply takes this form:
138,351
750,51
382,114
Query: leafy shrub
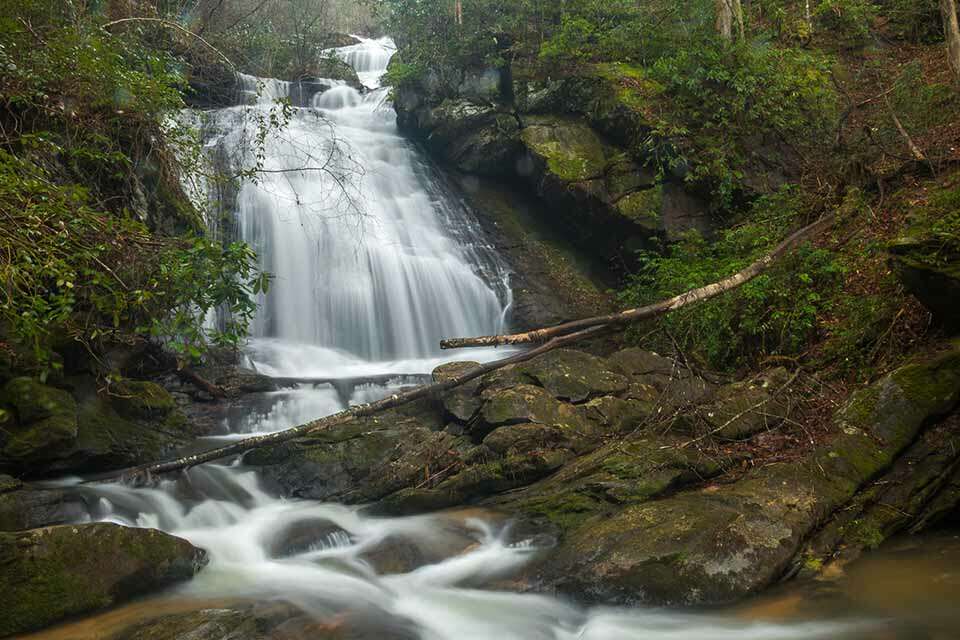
720,101
850,20
86,158
915,20
69,270
775,313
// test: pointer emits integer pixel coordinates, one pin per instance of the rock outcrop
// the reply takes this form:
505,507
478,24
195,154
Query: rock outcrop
77,428
576,141
603,455
49,574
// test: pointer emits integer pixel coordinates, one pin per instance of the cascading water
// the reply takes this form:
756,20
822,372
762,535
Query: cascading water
365,286
373,262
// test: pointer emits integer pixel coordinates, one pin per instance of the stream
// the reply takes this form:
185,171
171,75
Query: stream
375,262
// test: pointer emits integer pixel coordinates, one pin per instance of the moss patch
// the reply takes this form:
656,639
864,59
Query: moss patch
570,148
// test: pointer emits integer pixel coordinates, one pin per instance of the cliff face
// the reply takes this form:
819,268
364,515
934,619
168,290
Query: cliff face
580,143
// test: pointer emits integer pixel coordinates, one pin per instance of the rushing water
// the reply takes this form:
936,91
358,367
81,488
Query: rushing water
374,263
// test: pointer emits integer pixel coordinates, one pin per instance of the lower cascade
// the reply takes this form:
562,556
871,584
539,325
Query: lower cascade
375,261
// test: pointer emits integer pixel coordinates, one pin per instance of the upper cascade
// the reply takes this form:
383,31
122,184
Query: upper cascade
374,259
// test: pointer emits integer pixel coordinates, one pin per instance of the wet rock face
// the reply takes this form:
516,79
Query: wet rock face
49,574
928,264
720,543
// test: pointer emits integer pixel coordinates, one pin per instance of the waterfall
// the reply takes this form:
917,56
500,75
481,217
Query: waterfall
374,261
366,287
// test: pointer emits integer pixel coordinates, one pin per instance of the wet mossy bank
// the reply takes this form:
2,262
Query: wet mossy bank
632,465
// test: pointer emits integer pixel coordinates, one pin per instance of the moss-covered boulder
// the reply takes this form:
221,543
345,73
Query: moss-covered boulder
362,461
719,543
39,422
54,431
574,376
141,399
619,473
49,574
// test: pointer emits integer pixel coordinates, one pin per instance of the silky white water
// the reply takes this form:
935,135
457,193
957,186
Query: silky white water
374,263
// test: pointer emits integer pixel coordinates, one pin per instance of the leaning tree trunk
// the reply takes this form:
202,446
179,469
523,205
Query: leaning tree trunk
951,30
553,338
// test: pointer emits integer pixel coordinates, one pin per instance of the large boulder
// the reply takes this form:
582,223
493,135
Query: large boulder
52,573
361,461
719,543
47,430
38,423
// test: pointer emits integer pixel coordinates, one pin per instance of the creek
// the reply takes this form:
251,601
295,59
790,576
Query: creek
375,260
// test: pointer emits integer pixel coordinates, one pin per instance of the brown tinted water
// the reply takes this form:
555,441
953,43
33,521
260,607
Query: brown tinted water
907,590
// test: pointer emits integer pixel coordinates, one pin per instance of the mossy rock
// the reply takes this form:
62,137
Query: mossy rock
569,148
49,574
639,362
573,375
358,462
742,409
523,403
477,138
643,207
464,401
618,473
928,264
141,399
718,544
41,422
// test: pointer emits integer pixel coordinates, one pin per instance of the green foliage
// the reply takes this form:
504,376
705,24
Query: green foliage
914,20
626,31
87,157
400,73
849,20
72,271
719,101
776,313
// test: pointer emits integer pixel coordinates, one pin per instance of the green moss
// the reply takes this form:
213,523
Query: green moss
630,84
566,510
141,399
60,571
643,207
46,420
813,564
572,151
863,533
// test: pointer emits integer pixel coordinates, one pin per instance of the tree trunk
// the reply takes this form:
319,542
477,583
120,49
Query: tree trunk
730,14
951,29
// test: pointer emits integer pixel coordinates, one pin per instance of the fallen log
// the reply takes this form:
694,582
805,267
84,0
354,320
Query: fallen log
553,338
145,472
651,311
